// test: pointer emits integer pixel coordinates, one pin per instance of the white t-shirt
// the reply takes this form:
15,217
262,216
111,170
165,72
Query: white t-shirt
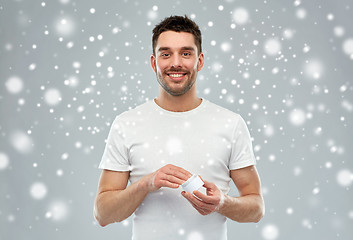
208,140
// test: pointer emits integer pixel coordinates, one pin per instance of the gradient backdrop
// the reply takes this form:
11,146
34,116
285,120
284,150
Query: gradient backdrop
69,67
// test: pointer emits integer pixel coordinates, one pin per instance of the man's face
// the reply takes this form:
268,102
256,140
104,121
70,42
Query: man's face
176,62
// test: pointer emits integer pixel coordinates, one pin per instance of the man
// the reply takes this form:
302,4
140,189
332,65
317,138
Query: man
160,144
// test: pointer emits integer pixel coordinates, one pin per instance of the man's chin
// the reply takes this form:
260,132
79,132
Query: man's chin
175,89
175,92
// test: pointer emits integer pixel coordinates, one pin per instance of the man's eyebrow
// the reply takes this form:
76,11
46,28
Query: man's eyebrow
183,48
163,49
188,48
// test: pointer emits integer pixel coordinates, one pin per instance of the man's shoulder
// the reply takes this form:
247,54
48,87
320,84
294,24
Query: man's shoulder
136,112
222,111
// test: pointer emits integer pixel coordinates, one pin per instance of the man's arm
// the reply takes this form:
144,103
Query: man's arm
116,202
248,207
110,204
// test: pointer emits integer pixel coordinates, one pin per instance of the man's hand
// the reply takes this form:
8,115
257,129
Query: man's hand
169,176
206,204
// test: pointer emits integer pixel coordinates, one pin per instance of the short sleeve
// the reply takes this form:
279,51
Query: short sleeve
115,156
242,154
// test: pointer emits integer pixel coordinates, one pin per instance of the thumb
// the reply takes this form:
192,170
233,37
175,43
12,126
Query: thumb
207,184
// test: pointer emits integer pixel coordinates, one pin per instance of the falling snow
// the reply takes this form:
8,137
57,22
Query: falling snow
241,16
14,85
272,47
344,178
64,26
348,46
270,232
68,68
21,142
38,190
52,96
4,161
57,211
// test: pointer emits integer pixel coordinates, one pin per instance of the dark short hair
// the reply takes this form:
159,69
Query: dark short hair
177,24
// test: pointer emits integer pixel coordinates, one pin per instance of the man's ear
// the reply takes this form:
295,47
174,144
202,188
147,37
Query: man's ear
153,63
201,61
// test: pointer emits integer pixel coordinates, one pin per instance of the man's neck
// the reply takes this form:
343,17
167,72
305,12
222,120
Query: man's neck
182,103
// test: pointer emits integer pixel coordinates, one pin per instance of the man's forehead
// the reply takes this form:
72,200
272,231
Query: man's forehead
175,33
172,39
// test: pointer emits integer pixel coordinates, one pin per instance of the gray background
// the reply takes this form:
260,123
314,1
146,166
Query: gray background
69,67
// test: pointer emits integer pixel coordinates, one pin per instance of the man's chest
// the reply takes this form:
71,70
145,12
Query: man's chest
195,148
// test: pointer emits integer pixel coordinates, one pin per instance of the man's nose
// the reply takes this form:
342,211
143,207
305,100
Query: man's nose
176,61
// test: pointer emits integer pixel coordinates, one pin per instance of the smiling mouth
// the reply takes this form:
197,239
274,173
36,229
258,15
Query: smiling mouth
176,75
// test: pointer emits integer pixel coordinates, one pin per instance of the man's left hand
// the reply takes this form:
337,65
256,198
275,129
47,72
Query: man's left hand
206,204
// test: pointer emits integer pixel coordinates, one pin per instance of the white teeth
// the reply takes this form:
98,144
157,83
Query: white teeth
176,75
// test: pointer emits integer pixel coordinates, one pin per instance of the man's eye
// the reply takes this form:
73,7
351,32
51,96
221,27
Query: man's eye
165,55
186,54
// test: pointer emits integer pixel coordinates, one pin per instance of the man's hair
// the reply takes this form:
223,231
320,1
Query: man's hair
177,24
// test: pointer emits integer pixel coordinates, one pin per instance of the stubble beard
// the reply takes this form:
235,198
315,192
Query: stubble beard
189,84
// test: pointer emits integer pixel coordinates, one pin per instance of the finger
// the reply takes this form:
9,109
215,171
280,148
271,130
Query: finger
170,178
168,184
200,204
184,173
173,179
205,198
177,172
179,169
190,198
208,185
201,178
200,210
205,208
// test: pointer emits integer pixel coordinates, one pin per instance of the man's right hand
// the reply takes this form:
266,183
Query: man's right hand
169,176
115,201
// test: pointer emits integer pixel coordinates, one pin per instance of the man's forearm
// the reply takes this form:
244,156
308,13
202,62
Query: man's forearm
116,206
249,208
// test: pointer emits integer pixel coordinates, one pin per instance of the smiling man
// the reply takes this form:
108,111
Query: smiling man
178,63
160,144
